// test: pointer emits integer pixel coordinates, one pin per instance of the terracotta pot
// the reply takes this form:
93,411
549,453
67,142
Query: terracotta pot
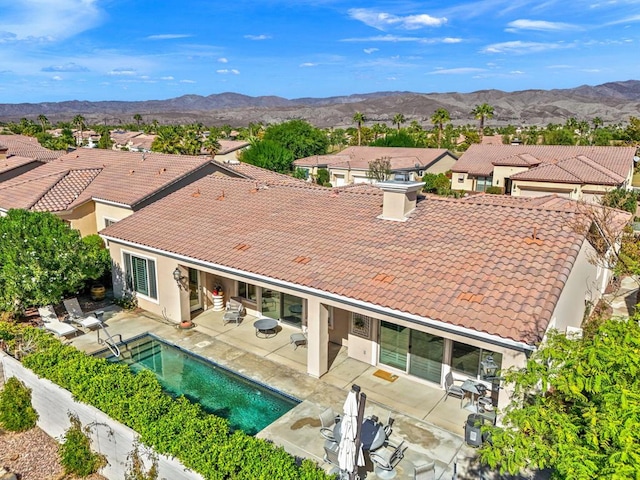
98,292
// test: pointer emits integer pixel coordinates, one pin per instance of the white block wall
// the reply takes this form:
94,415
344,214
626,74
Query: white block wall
108,437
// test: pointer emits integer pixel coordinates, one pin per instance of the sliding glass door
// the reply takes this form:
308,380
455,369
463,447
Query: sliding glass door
394,345
282,306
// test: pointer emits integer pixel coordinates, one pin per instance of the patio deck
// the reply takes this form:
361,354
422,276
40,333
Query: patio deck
431,427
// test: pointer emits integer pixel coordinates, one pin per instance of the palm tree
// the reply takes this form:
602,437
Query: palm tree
481,113
138,119
211,145
359,119
79,122
44,121
439,118
398,118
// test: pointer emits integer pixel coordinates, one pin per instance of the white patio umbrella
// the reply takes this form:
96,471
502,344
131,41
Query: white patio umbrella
348,433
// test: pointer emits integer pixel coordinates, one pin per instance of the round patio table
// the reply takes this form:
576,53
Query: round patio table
265,327
372,434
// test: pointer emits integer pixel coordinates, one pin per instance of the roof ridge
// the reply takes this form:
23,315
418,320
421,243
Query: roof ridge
601,168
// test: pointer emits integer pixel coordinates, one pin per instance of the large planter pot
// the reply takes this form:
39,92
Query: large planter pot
98,292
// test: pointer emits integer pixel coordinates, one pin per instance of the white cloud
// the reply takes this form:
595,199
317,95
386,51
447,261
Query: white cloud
122,72
516,72
382,20
168,36
167,78
56,78
227,71
558,67
396,38
308,64
631,19
519,47
223,60
539,25
369,51
67,67
456,71
257,37
49,20
187,81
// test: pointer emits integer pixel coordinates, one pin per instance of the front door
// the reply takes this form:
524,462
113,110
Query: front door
195,292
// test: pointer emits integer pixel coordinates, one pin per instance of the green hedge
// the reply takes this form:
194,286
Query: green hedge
174,427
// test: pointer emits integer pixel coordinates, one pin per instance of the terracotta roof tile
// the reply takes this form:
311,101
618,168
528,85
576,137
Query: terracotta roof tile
488,278
23,146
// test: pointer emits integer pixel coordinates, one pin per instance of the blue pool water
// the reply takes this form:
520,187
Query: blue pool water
247,405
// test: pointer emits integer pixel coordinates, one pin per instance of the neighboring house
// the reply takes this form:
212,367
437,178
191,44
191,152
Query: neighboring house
229,150
92,188
132,141
575,172
28,147
352,164
416,288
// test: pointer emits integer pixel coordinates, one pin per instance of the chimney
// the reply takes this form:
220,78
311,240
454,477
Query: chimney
399,199
3,152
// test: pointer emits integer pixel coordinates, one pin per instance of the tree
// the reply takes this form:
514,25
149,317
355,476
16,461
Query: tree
359,119
79,122
41,260
44,122
270,155
138,119
299,137
439,118
379,169
575,407
481,113
400,139
399,118
211,145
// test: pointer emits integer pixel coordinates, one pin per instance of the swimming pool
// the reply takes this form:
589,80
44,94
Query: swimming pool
247,405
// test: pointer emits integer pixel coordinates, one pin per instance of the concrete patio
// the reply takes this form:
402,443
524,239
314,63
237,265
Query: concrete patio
431,427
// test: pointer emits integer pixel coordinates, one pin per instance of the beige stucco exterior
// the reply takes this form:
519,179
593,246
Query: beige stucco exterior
82,218
573,191
110,212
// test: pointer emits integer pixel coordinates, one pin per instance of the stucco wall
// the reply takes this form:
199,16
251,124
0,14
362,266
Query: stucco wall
109,437
443,165
466,184
502,172
83,219
111,212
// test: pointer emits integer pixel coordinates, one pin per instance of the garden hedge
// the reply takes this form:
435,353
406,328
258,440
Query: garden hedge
173,427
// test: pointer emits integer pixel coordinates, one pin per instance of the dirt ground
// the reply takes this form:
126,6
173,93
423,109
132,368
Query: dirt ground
33,455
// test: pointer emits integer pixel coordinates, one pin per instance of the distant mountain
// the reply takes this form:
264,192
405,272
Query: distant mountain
613,102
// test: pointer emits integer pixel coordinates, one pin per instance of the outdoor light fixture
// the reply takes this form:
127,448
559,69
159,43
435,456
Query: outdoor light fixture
177,276
489,367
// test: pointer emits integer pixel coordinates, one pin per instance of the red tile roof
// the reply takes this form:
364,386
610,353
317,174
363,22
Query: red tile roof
497,269
248,171
358,158
582,164
122,177
23,146
8,164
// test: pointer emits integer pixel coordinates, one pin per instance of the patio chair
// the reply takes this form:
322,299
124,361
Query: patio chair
451,388
299,338
53,324
385,460
328,420
232,312
76,315
331,452
425,471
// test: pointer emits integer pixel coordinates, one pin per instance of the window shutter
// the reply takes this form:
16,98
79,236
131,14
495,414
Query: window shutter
151,269
140,275
128,271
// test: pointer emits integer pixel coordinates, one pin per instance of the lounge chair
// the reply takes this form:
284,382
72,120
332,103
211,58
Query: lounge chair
385,460
52,324
76,315
232,312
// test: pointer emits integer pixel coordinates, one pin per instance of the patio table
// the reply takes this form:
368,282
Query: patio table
372,434
267,327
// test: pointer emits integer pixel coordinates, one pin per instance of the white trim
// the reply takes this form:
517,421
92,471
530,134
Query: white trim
144,257
447,327
109,202
109,219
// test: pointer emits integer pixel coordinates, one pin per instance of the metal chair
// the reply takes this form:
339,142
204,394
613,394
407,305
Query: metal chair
385,460
331,452
328,420
232,312
451,388
425,471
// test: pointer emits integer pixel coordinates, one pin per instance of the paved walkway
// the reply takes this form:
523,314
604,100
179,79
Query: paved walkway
430,425
623,300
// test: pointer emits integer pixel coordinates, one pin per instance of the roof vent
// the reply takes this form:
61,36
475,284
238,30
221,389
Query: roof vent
399,200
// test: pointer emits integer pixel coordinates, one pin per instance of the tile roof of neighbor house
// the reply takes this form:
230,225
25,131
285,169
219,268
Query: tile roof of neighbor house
358,158
228,146
122,177
29,147
585,164
8,164
262,175
464,263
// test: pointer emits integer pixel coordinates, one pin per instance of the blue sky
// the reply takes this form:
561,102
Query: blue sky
54,50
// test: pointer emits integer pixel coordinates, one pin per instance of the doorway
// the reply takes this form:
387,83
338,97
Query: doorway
282,306
195,292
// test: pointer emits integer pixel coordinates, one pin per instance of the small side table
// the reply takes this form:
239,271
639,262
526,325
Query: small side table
298,339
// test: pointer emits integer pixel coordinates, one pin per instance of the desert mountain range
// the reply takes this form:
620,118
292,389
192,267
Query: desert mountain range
613,102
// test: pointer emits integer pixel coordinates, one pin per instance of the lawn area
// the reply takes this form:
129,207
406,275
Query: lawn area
636,180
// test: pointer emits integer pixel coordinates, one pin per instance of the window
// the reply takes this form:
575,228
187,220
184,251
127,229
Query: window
461,178
248,291
482,183
466,359
141,275
108,222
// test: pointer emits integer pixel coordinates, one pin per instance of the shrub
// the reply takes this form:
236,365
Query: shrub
136,469
494,190
16,412
75,452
